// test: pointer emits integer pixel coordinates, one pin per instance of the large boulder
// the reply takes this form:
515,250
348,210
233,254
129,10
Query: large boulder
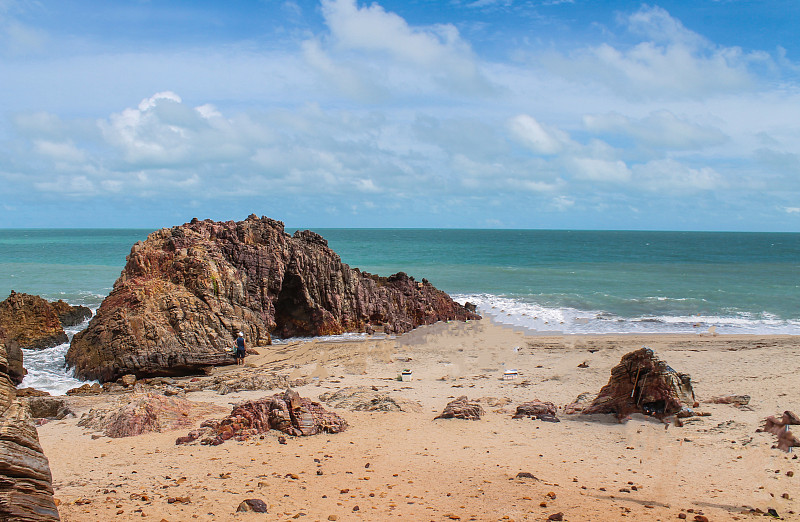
186,291
26,489
642,383
30,321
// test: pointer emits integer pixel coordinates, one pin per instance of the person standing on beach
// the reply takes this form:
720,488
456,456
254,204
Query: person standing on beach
240,349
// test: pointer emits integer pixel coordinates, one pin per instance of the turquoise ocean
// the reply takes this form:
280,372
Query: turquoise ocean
542,280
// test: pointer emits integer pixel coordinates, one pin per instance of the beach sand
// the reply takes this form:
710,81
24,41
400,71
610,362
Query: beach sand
407,466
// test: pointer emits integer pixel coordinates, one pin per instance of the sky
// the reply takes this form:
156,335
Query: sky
539,114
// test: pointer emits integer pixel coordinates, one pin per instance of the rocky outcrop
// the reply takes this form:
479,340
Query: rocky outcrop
780,428
70,315
641,383
286,412
30,321
16,372
26,490
461,408
186,291
144,413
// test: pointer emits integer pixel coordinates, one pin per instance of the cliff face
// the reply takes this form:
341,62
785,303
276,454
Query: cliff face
26,490
187,290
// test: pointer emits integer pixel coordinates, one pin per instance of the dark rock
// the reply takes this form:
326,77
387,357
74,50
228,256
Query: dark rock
16,371
526,474
252,505
30,321
49,408
461,408
641,383
186,291
556,516
286,412
26,490
70,315
536,409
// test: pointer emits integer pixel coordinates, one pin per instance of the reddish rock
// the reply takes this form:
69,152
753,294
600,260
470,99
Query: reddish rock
144,413
286,412
461,408
16,372
26,490
30,321
780,428
641,383
186,291
252,505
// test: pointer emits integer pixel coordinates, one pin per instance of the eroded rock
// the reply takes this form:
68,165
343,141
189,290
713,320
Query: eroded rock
135,414
461,408
26,490
186,291
641,383
537,409
286,412
363,398
31,322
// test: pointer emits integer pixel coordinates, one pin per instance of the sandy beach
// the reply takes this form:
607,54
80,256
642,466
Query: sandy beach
405,465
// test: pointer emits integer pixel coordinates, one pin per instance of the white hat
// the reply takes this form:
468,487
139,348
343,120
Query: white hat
241,334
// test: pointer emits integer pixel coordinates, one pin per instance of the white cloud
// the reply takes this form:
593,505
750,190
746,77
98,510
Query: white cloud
62,152
792,210
660,129
595,169
536,137
673,62
670,176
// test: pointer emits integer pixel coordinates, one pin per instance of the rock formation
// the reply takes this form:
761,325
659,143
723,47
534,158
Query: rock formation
363,398
30,321
780,428
186,291
26,490
286,412
16,372
641,383
461,408
537,409
70,315
144,413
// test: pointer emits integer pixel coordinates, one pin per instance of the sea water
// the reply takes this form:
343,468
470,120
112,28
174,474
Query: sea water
540,280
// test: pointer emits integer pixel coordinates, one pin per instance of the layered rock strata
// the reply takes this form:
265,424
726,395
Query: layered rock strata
26,490
186,291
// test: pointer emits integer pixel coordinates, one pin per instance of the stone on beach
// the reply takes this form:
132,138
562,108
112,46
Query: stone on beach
537,409
363,398
286,412
186,291
144,413
780,428
641,383
461,408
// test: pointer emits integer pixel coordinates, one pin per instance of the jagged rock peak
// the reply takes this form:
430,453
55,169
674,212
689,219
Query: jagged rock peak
186,291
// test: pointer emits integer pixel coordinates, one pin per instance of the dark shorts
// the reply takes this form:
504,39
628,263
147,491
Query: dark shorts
239,353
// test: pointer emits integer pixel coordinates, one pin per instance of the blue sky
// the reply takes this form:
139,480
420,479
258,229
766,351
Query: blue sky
463,113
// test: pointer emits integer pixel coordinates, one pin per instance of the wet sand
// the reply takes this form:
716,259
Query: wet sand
405,465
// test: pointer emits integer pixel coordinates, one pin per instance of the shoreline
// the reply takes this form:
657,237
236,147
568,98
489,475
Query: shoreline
426,469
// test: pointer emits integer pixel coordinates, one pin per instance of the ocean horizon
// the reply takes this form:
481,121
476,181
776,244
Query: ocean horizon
557,281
